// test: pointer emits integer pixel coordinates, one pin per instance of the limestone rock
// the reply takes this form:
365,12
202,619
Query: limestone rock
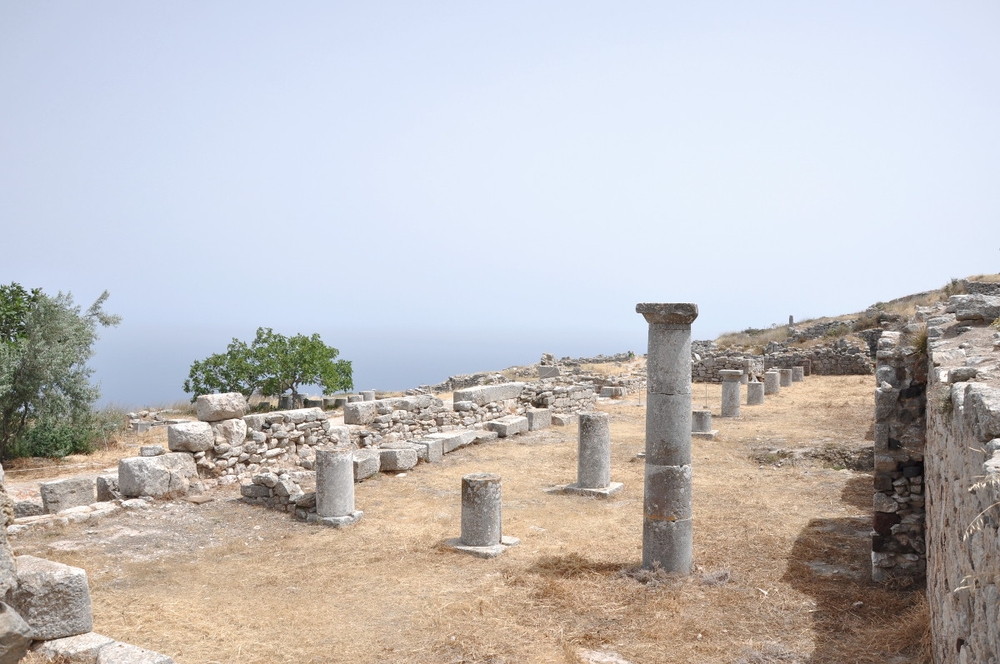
367,462
163,476
58,495
218,407
107,488
82,648
15,635
190,437
982,410
979,308
52,598
233,431
123,653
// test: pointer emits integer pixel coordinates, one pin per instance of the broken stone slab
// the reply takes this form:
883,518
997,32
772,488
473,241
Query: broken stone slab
26,508
397,459
107,488
190,437
612,392
360,412
151,450
367,462
508,425
982,410
484,394
15,635
79,649
169,475
538,418
53,598
548,372
58,495
452,440
429,450
218,407
975,307
124,653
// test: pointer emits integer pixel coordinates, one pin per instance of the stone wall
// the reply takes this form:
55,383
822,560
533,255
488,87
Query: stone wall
963,483
839,358
898,542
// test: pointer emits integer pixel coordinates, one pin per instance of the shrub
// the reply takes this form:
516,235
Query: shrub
59,438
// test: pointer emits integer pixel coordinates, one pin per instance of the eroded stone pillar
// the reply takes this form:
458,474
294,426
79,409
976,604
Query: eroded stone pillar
731,392
786,377
772,382
335,487
701,421
798,374
593,465
666,528
755,394
481,513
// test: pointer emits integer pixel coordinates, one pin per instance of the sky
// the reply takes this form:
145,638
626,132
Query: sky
450,187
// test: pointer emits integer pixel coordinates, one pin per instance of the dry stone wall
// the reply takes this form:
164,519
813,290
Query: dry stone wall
840,358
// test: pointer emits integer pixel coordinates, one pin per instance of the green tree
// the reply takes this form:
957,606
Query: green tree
45,343
271,365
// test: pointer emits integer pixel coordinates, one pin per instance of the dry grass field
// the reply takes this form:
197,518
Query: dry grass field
781,552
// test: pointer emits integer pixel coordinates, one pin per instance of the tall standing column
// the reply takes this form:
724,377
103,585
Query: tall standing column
666,527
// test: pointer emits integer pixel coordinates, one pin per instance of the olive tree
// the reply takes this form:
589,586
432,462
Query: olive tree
271,365
45,343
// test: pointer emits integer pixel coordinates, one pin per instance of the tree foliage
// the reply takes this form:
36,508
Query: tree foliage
45,343
270,365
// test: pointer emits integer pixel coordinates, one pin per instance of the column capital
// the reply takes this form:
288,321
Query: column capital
668,313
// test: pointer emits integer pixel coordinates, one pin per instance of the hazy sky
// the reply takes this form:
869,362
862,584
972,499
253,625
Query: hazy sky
448,187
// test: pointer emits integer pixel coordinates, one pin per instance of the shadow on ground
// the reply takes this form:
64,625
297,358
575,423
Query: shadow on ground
855,619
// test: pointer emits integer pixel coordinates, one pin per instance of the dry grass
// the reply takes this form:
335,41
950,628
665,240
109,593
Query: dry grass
782,560
761,338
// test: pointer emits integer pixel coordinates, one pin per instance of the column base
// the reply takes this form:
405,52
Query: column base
335,521
601,492
705,435
493,551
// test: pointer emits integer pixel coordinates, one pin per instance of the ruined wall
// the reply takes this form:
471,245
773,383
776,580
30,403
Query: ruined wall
840,358
898,543
963,487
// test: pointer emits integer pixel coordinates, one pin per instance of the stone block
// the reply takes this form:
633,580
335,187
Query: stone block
151,450
982,411
169,475
564,419
484,394
538,418
79,649
218,407
24,508
107,488
508,426
124,653
15,635
190,437
548,372
360,412
433,450
58,495
367,462
397,459
233,432
53,598
611,392
452,440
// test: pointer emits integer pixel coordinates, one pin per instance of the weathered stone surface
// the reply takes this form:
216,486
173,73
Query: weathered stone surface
58,495
217,407
53,598
360,412
23,508
668,313
190,437
508,425
233,432
107,488
79,649
975,308
452,440
15,635
982,411
169,475
397,459
123,653
538,418
484,394
564,419
367,462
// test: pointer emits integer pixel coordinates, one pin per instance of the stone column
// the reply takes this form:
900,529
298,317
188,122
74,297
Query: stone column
666,528
593,465
481,511
701,421
335,487
368,395
798,374
786,377
755,394
772,382
731,392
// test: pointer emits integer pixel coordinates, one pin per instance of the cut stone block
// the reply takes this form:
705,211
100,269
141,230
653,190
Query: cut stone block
484,394
367,462
58,495
82,649
611,392
151,450
360,412
509,425
15,635
167,475
452,440
52,598
107,488
234,431
397,459
190,437
218,407
564,419
124,653
548,372
538,418
433,450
